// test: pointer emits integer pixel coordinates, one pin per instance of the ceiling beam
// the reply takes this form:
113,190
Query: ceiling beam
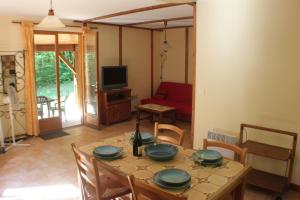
111,24
173,27
160,20
159,6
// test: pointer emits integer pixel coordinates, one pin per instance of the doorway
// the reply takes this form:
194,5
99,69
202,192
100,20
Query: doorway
56,64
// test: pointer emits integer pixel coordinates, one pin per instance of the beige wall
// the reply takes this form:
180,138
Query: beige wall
10,40
248,69
136,55
108,46
174,68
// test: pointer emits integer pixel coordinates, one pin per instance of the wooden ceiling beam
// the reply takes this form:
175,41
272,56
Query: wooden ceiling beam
159,6
173,27
111,24
160,20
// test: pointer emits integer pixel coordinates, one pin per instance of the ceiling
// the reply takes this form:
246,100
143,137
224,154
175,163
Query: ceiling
82,10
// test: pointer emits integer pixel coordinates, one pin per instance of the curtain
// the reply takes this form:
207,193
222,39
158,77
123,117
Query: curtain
32,123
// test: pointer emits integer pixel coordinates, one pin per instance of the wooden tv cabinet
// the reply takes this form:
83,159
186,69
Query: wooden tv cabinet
115,105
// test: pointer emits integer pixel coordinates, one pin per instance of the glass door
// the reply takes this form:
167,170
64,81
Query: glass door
91,79
47,82
69,79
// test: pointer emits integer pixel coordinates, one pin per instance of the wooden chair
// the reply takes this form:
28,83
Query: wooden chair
179,133
142,191
239,152
94,185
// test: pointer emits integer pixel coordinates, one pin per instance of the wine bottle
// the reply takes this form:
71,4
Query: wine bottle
137,142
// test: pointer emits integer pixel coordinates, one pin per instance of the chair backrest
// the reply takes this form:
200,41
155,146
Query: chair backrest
89,184
175,131
111,172
41,99
142,191
240,152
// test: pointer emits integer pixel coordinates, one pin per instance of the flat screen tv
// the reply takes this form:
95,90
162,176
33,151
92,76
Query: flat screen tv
114,77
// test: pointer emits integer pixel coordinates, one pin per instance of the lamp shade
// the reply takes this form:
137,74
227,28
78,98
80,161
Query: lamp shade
51,21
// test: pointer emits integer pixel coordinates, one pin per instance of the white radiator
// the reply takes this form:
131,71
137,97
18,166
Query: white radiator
223,136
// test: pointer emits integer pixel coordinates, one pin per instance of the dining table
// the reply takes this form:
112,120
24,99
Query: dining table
207,183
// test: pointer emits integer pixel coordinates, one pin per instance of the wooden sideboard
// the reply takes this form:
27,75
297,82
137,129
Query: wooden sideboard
115,105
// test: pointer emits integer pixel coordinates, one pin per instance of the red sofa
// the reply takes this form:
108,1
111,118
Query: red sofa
178,95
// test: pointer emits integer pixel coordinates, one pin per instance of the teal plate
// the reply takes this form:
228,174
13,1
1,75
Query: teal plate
161,152
146,137
106,151
115,157
208,155
173,177
212,164
161,184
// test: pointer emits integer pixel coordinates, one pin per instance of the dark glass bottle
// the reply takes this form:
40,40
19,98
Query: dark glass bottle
137,142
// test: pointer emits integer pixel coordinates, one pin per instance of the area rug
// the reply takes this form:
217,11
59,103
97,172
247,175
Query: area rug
52,135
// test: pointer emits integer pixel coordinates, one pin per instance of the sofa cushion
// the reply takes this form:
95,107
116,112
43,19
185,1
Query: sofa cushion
161,94
178,92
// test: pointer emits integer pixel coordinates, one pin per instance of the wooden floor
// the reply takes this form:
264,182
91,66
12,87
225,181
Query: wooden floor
47,170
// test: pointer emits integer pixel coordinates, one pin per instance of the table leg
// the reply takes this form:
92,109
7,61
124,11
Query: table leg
174,117
138,116
160,117
238,193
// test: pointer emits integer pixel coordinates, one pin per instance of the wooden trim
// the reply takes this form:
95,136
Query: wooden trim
186,78
36,23
127,12
194,77
295,187
110,24
268,129
68,64
160,20
173,27
57,76
152,59
54,32
51,47
120,45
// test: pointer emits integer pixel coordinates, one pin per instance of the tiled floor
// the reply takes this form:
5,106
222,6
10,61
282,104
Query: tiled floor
46,169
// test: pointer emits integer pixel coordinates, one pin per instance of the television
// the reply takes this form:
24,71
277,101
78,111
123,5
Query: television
114,77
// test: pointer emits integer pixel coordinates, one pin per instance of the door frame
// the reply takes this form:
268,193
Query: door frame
54,123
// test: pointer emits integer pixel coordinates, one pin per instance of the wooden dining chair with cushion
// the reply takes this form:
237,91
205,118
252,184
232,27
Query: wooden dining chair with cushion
240,153
169,133
143,191
96,185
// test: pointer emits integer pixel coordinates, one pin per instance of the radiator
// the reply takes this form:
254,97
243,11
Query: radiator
223,136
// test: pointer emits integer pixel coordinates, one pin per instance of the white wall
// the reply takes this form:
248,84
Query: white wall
248,69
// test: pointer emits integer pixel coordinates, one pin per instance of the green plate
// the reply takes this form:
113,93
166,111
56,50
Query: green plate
186,181
208,155
106,151
173,177
115,157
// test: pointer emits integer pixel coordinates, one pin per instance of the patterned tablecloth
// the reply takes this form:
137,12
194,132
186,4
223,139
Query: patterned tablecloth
206,183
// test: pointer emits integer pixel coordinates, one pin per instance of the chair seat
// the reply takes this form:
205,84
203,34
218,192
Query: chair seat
112,193
113,190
